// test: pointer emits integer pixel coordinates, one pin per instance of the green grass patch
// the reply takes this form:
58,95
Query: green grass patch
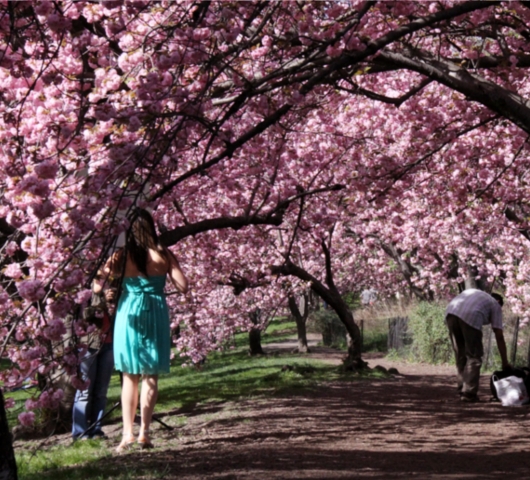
87,459
72,462
375,341
20,397
4,363
280,328
232,375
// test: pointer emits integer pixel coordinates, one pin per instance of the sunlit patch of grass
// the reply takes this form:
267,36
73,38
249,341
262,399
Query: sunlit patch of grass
81,460
32,465
225,377
280,328
231,375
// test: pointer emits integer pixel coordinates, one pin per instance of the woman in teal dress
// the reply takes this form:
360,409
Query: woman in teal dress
142,340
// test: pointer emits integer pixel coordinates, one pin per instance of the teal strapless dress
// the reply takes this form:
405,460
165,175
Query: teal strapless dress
142,340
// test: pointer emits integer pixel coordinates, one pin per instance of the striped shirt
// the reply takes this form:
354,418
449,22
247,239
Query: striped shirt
476,308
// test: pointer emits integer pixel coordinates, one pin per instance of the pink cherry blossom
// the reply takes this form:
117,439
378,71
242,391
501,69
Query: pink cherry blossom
13,270
31,290
27,418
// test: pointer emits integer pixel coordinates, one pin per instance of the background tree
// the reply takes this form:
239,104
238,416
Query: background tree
300,311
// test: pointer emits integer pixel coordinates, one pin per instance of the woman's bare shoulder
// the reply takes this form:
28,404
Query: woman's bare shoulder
158,263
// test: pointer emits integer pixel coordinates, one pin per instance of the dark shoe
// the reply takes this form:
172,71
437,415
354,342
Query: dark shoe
469,398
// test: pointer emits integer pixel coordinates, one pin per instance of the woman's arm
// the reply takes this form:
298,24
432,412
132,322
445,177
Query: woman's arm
110,269
175,273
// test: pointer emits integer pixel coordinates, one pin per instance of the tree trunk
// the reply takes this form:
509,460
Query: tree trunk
314,301
254,340
353,360
472,280
300,317
8,465
254,335
332,297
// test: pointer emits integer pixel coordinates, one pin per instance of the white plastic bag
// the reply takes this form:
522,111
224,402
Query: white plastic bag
511,391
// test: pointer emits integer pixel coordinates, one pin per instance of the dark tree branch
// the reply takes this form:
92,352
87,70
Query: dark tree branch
322,75
228,152
300,319
374,46
171,237
240,283
275,217
329,271
509,104
379,65
289,268
5,228
296,227
406,268
397,101
332,297
513,217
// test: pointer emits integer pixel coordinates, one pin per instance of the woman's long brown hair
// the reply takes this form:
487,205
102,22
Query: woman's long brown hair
140,237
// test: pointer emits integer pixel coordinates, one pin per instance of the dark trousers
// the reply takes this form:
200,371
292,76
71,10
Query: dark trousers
89,404
467,344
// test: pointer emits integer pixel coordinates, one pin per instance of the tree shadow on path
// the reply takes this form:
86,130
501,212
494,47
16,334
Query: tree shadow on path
412,425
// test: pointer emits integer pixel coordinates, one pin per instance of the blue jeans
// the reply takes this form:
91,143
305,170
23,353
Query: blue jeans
89,404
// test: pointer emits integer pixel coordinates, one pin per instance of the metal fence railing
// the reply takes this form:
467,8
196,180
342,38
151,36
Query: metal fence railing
517,339
399,336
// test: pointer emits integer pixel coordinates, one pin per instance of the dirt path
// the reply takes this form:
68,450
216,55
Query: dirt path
412,425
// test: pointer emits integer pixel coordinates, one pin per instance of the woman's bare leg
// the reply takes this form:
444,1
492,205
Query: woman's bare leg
148,398
129,402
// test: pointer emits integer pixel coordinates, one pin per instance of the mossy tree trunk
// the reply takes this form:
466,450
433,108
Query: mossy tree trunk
300,316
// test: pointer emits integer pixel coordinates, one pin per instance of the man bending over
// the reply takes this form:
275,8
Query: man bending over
465,315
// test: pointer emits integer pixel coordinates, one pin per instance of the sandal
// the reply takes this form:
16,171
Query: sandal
126,443
144,441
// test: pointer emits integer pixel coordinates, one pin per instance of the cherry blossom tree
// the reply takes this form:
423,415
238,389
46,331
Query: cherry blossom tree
343,144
